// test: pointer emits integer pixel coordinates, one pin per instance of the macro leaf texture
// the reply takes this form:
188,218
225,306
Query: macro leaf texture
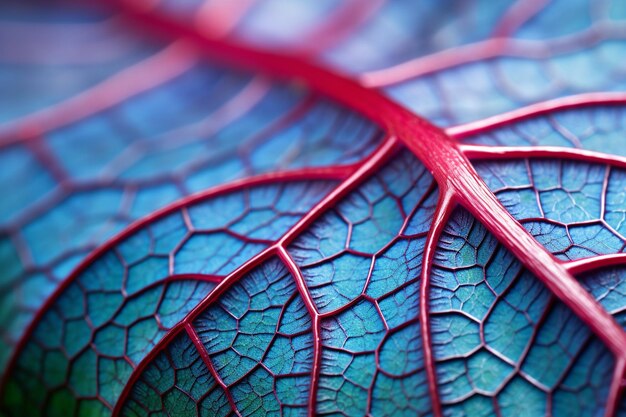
337,208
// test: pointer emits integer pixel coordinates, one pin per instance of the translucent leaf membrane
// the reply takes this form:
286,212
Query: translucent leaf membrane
452,24
598,128
257,25
608,286
574,209
83,182
48,53
110,315
502,344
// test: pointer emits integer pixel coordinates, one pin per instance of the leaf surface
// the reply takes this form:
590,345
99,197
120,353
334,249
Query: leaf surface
218,221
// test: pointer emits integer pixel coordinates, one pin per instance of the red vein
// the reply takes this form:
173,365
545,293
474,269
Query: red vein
315,319
161,67
207,362
534,110
439,222
580,266
488,49
218,19
518,14
617,388
437,61
507,152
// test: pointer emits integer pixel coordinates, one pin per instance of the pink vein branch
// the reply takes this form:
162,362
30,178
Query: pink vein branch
437,61
161,67
617,388
518,14
315,320
507,152
538,109
445,206
581,266
207,362
488,49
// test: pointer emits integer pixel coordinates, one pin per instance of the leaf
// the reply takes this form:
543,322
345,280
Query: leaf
192,237
147,156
